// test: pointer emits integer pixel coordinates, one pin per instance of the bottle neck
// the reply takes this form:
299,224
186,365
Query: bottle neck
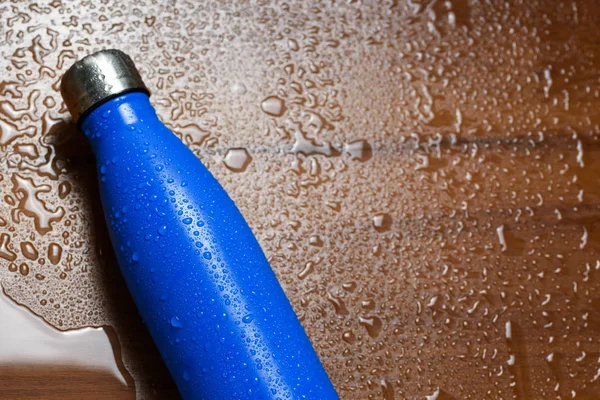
117,118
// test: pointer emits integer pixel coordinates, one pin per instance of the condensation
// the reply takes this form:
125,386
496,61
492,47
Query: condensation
421,175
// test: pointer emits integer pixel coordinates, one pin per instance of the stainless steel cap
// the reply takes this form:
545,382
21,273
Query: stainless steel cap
97,78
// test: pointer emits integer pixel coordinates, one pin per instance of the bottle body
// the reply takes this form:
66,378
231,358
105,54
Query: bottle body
201,282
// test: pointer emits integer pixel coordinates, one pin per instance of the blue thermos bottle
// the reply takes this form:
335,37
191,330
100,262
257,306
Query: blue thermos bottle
197,274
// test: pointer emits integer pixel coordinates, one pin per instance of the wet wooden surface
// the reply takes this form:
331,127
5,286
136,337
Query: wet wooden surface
423,176
60,383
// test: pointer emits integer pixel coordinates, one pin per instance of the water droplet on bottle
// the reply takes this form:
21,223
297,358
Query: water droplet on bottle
162,230
176,323
187,221
248,318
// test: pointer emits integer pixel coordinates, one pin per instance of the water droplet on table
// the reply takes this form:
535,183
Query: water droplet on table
238,88
273,106
237,160
359,150
382,222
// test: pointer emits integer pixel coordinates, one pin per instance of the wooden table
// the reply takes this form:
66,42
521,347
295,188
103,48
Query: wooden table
421,174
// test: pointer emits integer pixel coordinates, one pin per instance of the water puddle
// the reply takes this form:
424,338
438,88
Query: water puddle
39,360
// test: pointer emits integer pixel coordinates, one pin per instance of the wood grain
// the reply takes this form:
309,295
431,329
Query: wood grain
60,383
482,120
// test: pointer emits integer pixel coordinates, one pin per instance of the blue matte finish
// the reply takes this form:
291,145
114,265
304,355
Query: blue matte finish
196,272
